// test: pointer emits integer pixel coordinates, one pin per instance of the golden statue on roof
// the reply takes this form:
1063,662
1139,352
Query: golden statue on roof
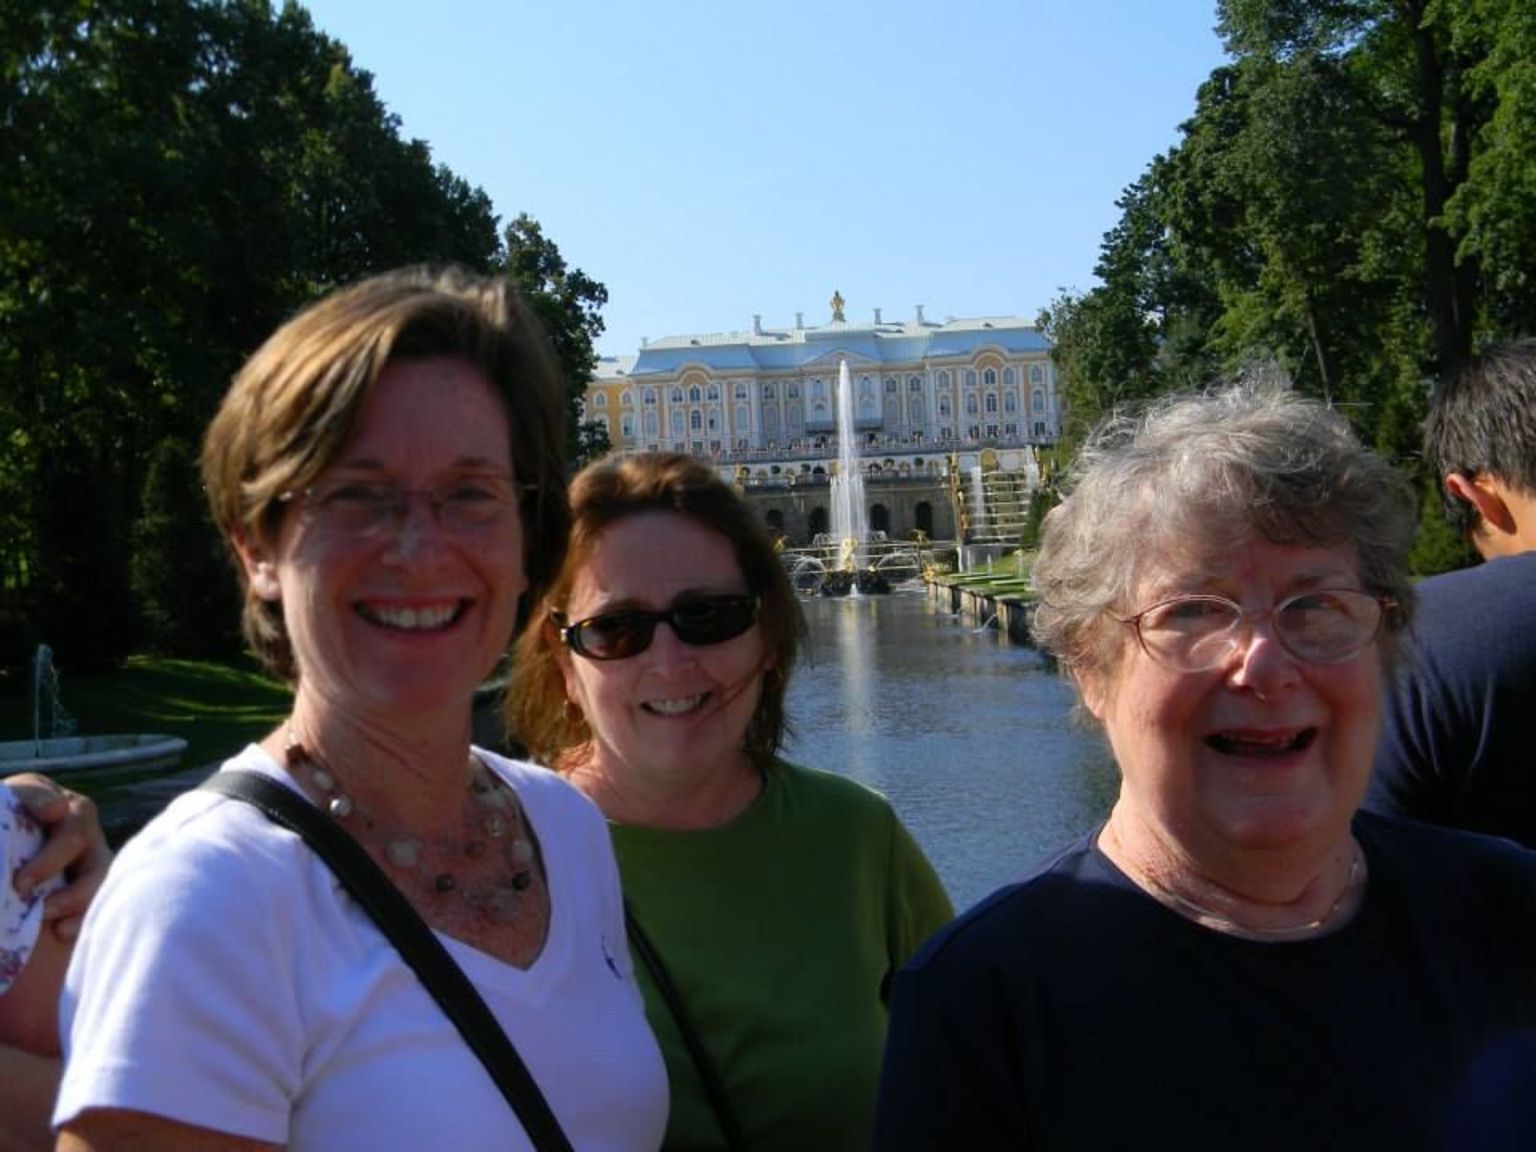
837,306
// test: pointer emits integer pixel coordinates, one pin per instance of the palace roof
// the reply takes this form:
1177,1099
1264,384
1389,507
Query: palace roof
788,350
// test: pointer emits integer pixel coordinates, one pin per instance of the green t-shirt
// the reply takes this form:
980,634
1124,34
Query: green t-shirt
781,931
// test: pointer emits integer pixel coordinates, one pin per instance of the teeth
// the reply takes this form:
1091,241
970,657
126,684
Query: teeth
675,707
414,619
1260,745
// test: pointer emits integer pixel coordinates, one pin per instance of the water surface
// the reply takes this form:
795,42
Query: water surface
970,737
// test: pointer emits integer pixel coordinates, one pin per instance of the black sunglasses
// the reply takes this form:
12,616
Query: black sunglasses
698,621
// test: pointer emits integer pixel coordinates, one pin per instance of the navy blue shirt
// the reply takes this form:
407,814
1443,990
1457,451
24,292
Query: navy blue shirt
1456,746
1073,1011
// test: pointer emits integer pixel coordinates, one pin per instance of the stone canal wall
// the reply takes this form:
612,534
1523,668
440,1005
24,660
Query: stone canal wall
1008,614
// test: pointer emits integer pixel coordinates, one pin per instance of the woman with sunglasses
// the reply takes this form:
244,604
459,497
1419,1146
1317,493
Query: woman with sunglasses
387,471
1237,958
770,903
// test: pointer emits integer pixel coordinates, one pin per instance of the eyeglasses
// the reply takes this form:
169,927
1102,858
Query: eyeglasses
1198,633
697,622
363,508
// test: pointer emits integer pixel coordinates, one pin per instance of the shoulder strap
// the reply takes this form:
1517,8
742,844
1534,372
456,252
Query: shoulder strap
714,1087
418,947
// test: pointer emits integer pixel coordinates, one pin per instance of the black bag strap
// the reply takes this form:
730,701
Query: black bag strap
366,882
714,1087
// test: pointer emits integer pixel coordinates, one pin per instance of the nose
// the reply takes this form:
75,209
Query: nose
1262,663
666,649
415,524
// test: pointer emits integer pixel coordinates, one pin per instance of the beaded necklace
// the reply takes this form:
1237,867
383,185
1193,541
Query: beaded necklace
498,823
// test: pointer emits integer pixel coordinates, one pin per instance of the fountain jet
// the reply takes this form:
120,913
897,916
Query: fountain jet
850,523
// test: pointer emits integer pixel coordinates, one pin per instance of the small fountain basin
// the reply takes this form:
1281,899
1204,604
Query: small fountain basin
63,755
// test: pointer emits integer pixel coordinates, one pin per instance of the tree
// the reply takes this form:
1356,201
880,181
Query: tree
181,575
176,178
568,302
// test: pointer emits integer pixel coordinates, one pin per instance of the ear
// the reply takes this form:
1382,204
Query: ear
1092,690
1486,495
260,569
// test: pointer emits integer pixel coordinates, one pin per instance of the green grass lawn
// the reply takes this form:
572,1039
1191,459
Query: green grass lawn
217,707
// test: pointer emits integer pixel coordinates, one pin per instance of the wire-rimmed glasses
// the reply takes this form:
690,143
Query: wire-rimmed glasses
1198,633
364,508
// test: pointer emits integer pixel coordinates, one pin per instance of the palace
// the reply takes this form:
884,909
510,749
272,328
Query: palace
921,388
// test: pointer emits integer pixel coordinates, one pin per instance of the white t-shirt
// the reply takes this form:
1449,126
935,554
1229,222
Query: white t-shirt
21,918
224,979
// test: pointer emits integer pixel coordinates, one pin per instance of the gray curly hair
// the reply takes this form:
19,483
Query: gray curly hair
1201,475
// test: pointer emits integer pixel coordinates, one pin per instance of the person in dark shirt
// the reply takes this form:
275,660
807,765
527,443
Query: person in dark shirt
1237,958
1455,748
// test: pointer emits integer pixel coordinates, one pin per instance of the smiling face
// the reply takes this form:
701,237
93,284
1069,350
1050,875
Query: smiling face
412,617
673,707
1262,752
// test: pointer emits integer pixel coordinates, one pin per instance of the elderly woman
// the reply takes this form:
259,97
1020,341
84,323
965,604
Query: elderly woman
1237,958
386,469
776,901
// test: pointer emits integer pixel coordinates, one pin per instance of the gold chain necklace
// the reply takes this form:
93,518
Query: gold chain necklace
499,823
1220,922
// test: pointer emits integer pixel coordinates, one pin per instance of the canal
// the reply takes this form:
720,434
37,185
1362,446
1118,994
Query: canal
970,737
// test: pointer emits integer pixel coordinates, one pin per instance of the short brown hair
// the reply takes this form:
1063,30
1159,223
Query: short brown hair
292,407
601,495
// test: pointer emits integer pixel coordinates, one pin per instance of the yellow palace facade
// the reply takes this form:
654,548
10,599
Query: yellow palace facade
920,387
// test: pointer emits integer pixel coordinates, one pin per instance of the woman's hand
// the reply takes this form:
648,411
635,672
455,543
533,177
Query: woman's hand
76,848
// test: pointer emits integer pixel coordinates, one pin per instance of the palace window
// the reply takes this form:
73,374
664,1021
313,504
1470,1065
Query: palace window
650,397
714,391
627,398
627,427
915,384
769,391
652,428
1039,400
989,378
970,405
943,403
696,421
600,400
1008,377
1036,376
741,391
677,395
991,403
695,395
1010,402
970,378
890,385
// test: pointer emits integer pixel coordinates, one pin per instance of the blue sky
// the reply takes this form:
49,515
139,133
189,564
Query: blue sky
712,160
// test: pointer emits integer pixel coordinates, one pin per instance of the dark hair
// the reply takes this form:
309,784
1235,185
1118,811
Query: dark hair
1483,419
1204,474
291,410
601,495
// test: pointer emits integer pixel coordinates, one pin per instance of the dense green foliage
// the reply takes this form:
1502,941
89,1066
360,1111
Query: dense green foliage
176,178
1353,200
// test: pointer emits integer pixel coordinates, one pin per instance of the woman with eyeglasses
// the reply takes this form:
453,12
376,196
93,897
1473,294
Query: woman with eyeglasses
1237,958
770,903
387,470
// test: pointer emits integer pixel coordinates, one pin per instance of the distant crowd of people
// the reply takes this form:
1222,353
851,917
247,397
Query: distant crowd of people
1309,919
